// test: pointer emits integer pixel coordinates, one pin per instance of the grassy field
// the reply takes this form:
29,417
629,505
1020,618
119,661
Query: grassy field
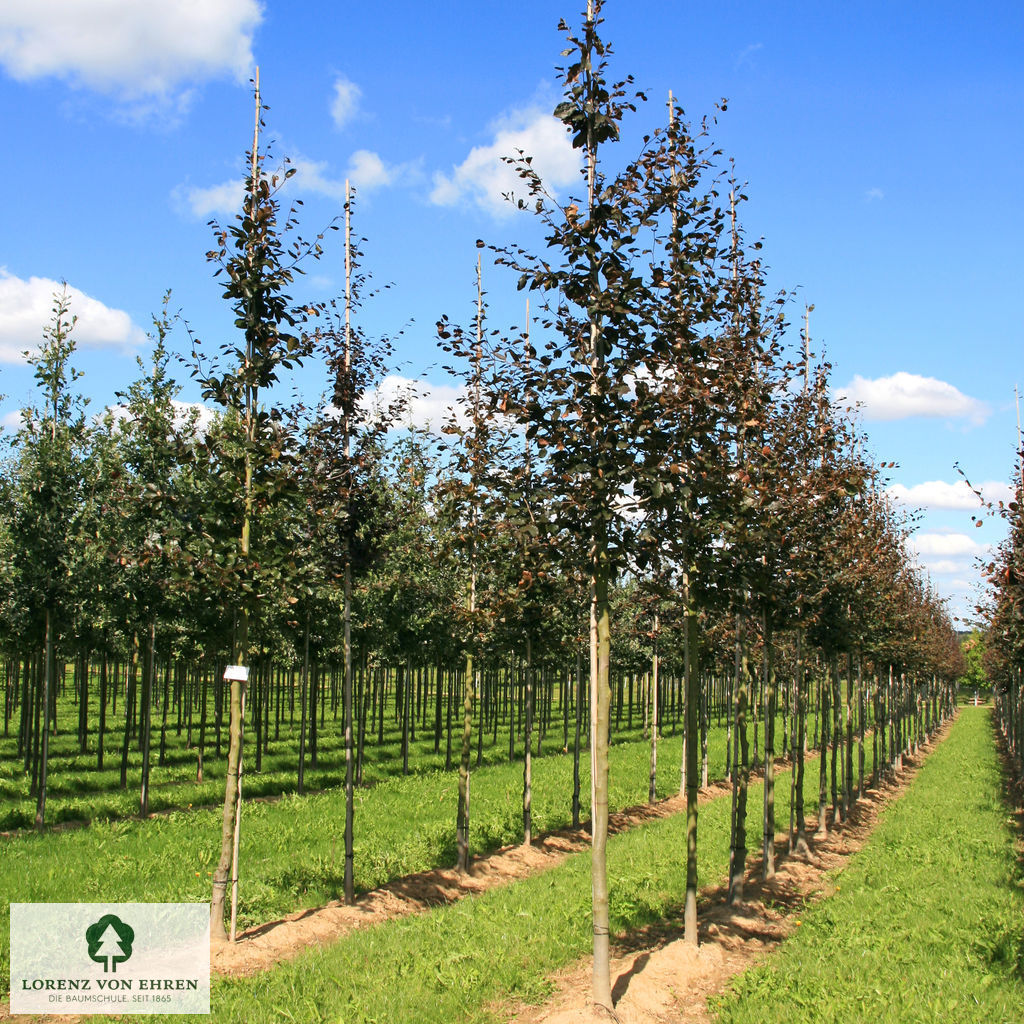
292,848
461,962
926,925
78,791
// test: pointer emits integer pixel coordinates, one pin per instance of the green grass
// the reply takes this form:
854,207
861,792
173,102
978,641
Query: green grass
460,961
292,848
926,926
78,791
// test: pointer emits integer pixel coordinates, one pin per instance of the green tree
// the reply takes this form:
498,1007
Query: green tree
257,261
50,446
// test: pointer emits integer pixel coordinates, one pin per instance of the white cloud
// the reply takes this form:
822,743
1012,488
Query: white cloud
345,102
128,49
26,308
312,176
184,411
907,394
11,421
958,495
183,414
484,178
428,406
366,171
221,199
873,194
947,545
945,567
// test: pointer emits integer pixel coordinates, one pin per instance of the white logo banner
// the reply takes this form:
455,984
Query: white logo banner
110,958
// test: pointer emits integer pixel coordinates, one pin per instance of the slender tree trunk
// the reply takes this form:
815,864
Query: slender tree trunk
693,703
800,747
350,895
148,671
600,704
163,712
438,695
652,788
448,720
303,708
578,712
527,752
837,739
83,701
823,699
232,807
103,713
703,691
129,708
768,838
44,735
199,674
848,795
462,822
741,771
404,682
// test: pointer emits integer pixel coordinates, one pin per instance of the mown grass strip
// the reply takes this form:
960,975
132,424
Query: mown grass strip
293,849
457,962
926,924
79,792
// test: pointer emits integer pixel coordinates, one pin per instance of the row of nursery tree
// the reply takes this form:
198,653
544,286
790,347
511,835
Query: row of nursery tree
643,504
1003,614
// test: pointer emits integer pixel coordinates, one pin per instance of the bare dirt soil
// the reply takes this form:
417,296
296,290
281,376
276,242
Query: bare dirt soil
659,979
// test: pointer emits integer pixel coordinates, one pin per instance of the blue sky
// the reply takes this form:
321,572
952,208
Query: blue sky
882,146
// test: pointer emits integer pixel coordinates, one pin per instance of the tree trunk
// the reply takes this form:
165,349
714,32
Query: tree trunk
652,787
528,753
148,670
462,821
303,709
693,707
578,711
837,739
600,707
350,895
129,707
741,770
768,838
83,701
44,735
232,812
823,700
799,748
103,713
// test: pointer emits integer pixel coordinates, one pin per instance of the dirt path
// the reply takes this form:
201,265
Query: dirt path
265,946
659,979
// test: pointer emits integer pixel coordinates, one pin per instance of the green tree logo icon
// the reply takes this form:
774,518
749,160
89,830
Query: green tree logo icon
110,942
